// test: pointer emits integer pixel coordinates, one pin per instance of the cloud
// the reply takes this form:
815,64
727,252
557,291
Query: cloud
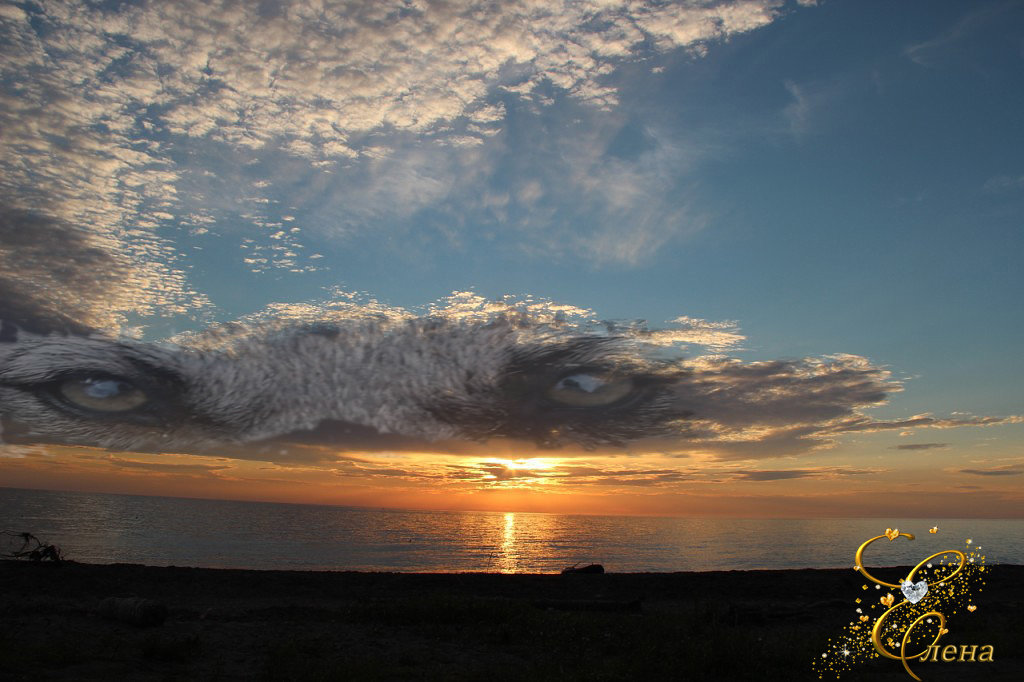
143,122
797,111
922,420
1004,183
62,277
488,474
315,76
164,467
604,473
713,335
787,474
952,45
708,407
619,476
783,391
789,407
919,446
1006,470
809,101
343,306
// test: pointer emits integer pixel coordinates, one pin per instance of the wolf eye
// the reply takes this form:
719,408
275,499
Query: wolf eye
590,390
102,394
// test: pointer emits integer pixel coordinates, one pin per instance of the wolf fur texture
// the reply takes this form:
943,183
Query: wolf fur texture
358,384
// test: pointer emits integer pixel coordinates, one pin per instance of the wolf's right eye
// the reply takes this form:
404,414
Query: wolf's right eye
590,390
102,394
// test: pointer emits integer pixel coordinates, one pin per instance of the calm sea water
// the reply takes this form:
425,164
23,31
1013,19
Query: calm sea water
161,531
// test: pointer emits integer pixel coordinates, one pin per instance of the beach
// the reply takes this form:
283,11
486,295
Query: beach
226,624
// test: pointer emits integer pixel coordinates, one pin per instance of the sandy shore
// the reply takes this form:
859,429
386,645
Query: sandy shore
285,625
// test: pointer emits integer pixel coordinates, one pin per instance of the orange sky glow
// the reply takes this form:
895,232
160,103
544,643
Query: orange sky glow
858,479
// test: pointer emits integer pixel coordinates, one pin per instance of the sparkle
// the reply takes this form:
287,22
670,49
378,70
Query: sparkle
855,647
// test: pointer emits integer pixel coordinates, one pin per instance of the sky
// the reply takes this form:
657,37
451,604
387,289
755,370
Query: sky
828,192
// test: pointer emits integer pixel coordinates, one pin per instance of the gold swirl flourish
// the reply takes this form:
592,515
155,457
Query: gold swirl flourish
876,631
906,636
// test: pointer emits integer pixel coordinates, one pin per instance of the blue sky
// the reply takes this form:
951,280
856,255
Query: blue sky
833,177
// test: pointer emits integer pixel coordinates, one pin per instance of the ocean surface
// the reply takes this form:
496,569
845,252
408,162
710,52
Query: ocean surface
164,531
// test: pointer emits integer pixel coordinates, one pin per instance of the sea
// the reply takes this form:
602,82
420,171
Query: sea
166,531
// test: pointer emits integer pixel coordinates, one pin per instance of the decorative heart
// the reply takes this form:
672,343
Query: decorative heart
887,600
944,631
865,618
892,533
971,607
914,592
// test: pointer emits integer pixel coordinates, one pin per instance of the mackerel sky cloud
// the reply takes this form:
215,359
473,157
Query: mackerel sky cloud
373,109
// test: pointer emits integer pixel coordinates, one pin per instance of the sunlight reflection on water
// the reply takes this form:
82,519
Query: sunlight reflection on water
214,533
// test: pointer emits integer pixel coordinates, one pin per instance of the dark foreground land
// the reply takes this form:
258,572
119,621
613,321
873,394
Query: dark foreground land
280,625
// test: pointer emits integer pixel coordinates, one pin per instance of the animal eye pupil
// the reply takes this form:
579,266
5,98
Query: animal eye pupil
102,394
590,390
106,388
582,382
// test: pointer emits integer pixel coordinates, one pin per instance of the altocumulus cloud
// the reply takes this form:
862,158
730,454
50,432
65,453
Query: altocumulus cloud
62,277
139,121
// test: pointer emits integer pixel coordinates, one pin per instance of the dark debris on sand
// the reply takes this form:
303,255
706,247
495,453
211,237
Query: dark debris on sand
291,625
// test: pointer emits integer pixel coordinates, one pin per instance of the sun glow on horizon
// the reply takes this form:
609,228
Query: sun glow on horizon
520,473
530,463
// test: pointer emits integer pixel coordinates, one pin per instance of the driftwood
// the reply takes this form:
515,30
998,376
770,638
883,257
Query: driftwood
33,549
133,610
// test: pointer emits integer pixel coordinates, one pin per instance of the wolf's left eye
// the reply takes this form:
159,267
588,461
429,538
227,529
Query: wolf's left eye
590,390
102,394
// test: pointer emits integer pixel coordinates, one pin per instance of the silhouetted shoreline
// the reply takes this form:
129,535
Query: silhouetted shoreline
301,625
